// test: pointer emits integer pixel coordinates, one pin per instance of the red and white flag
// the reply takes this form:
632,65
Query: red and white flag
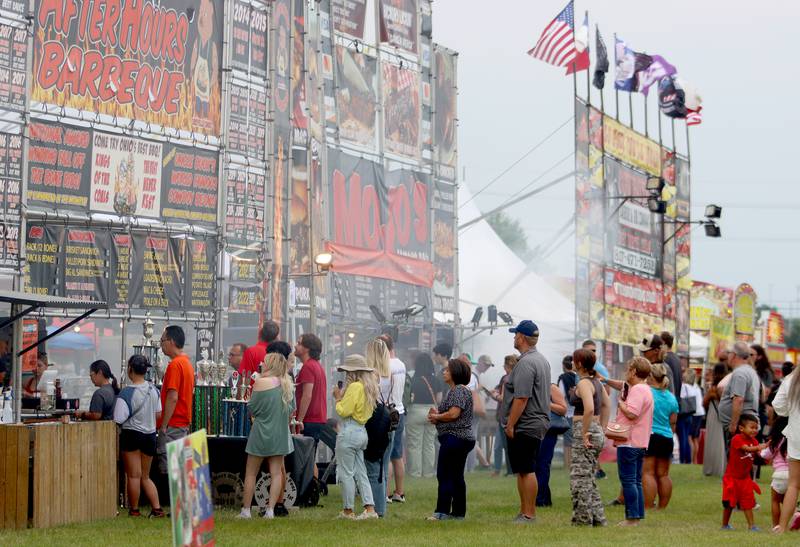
557,45
694,117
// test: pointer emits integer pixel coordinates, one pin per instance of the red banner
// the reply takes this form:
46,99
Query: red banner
633,292
379,263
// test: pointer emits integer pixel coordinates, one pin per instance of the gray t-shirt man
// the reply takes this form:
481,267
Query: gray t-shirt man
741,384
529,379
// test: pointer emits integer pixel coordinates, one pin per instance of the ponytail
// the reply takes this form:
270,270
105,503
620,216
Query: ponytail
102,367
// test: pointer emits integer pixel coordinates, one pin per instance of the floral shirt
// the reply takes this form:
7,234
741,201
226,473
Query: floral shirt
461,397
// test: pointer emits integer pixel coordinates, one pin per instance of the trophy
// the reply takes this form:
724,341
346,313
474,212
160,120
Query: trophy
150,349
235,385
221,369
204,369
160,369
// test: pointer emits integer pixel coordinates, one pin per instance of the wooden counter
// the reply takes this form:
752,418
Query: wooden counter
53,473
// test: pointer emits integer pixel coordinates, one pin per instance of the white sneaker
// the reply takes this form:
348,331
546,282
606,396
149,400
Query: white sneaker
366,515
244,514
269,513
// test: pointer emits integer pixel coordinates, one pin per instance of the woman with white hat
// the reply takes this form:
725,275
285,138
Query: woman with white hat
355,406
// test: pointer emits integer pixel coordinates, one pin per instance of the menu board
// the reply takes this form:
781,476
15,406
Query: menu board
247,121
201,274
59,166
189,190
86,264
10,184
120,269
41,270
156,278
13,66
244,205
249,38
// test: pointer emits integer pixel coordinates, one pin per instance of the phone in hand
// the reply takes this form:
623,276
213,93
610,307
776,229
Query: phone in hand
340,384
625,389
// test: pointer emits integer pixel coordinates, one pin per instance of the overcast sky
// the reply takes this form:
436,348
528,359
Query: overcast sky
743,58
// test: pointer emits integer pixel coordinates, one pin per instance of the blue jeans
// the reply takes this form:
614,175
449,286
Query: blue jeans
546,450
350,472
629,466
378,478
452,494
684,428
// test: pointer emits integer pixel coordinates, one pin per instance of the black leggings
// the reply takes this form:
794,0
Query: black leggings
452,499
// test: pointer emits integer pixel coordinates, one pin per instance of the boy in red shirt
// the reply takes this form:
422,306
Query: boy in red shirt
737,485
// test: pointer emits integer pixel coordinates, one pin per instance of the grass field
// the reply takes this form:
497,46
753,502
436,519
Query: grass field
693,518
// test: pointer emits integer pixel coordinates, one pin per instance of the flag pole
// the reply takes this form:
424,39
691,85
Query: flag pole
616,91
574,75
646,134
589,69
674,144
630,106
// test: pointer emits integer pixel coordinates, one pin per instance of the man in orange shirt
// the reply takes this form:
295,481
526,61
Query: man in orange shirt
177,392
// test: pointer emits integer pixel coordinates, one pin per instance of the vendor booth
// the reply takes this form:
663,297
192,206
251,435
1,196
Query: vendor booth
52,471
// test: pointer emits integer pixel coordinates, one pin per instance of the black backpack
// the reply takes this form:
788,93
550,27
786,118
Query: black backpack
385,419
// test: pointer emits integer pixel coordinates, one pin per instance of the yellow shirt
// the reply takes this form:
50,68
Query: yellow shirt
354,404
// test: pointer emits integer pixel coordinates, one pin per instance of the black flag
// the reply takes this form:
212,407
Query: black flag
601,64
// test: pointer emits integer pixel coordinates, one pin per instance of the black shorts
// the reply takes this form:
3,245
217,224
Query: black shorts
660,447
131,441
523,450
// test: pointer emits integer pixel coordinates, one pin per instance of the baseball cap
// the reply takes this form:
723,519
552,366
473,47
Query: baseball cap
485,360
526,327
651,341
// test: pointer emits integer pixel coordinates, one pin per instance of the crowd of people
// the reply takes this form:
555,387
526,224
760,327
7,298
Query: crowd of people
431,419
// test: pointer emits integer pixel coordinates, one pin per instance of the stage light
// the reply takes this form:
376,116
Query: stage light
351,335
506,317
492,314
377,314
476,317
713,211
77,328
712,230
348,343
410,311
324,261
657,206
655,185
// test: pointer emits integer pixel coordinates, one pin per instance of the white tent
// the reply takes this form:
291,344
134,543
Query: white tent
491,273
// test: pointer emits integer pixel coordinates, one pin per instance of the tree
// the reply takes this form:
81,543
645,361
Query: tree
792,335
512,233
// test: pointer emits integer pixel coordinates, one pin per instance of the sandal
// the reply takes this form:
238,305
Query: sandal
157,514
134,513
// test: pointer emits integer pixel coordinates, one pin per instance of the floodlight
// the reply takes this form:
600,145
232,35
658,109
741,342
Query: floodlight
476,317
492,313
324,261
713,211
712,230
657,206
655,185
377,314
506,317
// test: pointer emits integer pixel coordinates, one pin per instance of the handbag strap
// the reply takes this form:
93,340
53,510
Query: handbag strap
430,390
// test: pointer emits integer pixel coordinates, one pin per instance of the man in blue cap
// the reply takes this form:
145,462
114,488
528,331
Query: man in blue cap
526,406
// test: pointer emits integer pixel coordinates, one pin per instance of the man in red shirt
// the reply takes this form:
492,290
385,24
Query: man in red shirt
177,392
311,391
254,355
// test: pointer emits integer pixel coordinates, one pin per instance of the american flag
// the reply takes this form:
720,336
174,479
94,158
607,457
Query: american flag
694,117
556,45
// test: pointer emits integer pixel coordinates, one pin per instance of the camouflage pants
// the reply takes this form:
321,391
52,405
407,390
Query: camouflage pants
587,506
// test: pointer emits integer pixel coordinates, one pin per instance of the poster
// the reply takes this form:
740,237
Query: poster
192,506
357,97
379,221
157,274
314,82
445,124
13,66
633,292
201,275
744,310
401,110
95,58
709,300
86,264
189,191
59,166
247,121
300,253
444,247
398,24
17,8
244,205
249,37
245,299
720,336
126,176
120,270
349,17
628,327
682,322
682,187
10,198
426,96
42,267
299,107
631,147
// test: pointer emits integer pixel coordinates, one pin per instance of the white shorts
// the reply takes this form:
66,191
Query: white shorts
780,480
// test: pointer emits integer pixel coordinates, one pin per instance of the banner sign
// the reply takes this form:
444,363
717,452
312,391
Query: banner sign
120,269
299,117
249,38
380,228
445,124
401,110
157,276
300,255
13,65
314,81
631,147
191,181
42,267
775,329
720,336
355,293
86,263
628,327
247,121
142,60
682,313
707,301
244,205
59,166
444,247
357,96
245,299
192,506
398,24
349,17
10,198
682,187
633,293
201,275
744,310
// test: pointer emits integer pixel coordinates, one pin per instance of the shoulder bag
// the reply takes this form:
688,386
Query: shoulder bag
618,432
687,405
